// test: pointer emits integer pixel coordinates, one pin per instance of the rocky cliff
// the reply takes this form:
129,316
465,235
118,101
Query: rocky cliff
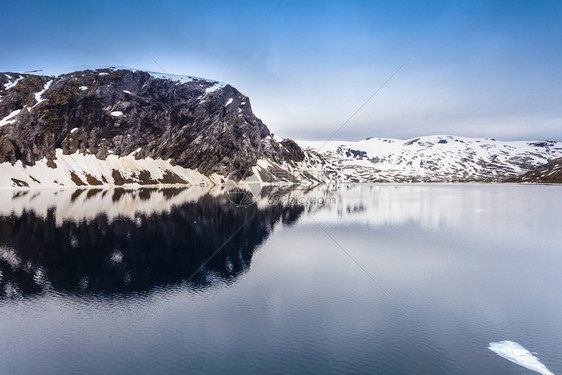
118,126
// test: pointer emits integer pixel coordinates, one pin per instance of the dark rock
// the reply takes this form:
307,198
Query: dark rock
292,150
197,124
7,151
541,144
20,183
360,155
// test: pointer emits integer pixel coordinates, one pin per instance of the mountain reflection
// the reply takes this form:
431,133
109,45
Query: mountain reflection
124,241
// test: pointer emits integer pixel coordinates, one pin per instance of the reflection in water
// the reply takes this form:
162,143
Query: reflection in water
109,276
127,240
122,241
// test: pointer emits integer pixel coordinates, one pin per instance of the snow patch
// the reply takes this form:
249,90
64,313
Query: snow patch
516,353
9,85
82,88
127,92
228,102
10,118
116,113
172,77
66,70
73,130
215,87
38,96
82,165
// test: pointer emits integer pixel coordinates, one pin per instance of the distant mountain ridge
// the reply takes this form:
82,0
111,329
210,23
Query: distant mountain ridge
438,158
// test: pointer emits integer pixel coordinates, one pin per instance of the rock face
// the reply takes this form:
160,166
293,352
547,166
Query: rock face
550,172
198,124
192,123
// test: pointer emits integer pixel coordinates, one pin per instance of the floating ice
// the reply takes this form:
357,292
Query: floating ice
515,353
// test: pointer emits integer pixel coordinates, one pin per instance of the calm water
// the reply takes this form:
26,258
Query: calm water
388,279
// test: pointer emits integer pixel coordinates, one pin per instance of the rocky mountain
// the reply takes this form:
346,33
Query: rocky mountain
550,172
118,126
433,158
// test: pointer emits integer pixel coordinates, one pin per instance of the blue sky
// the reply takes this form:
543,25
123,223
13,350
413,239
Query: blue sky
479,68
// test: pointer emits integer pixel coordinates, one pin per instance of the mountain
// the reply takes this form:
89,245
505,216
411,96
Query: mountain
120,126
550,172
438,158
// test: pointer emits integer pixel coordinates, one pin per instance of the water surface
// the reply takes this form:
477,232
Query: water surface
390,279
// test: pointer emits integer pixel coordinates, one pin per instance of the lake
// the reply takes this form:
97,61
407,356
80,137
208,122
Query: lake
383,278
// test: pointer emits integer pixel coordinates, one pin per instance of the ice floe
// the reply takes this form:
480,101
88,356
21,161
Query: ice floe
516,353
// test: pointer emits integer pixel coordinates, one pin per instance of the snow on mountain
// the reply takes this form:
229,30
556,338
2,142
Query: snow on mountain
550,172
117,126
436,158
181,78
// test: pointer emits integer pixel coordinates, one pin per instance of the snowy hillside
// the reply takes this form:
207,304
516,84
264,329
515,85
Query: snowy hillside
433,158
550,172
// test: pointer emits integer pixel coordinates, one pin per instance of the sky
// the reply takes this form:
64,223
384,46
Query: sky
468,68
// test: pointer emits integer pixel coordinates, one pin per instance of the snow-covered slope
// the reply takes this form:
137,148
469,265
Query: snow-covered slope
87,170
433,158
550,172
